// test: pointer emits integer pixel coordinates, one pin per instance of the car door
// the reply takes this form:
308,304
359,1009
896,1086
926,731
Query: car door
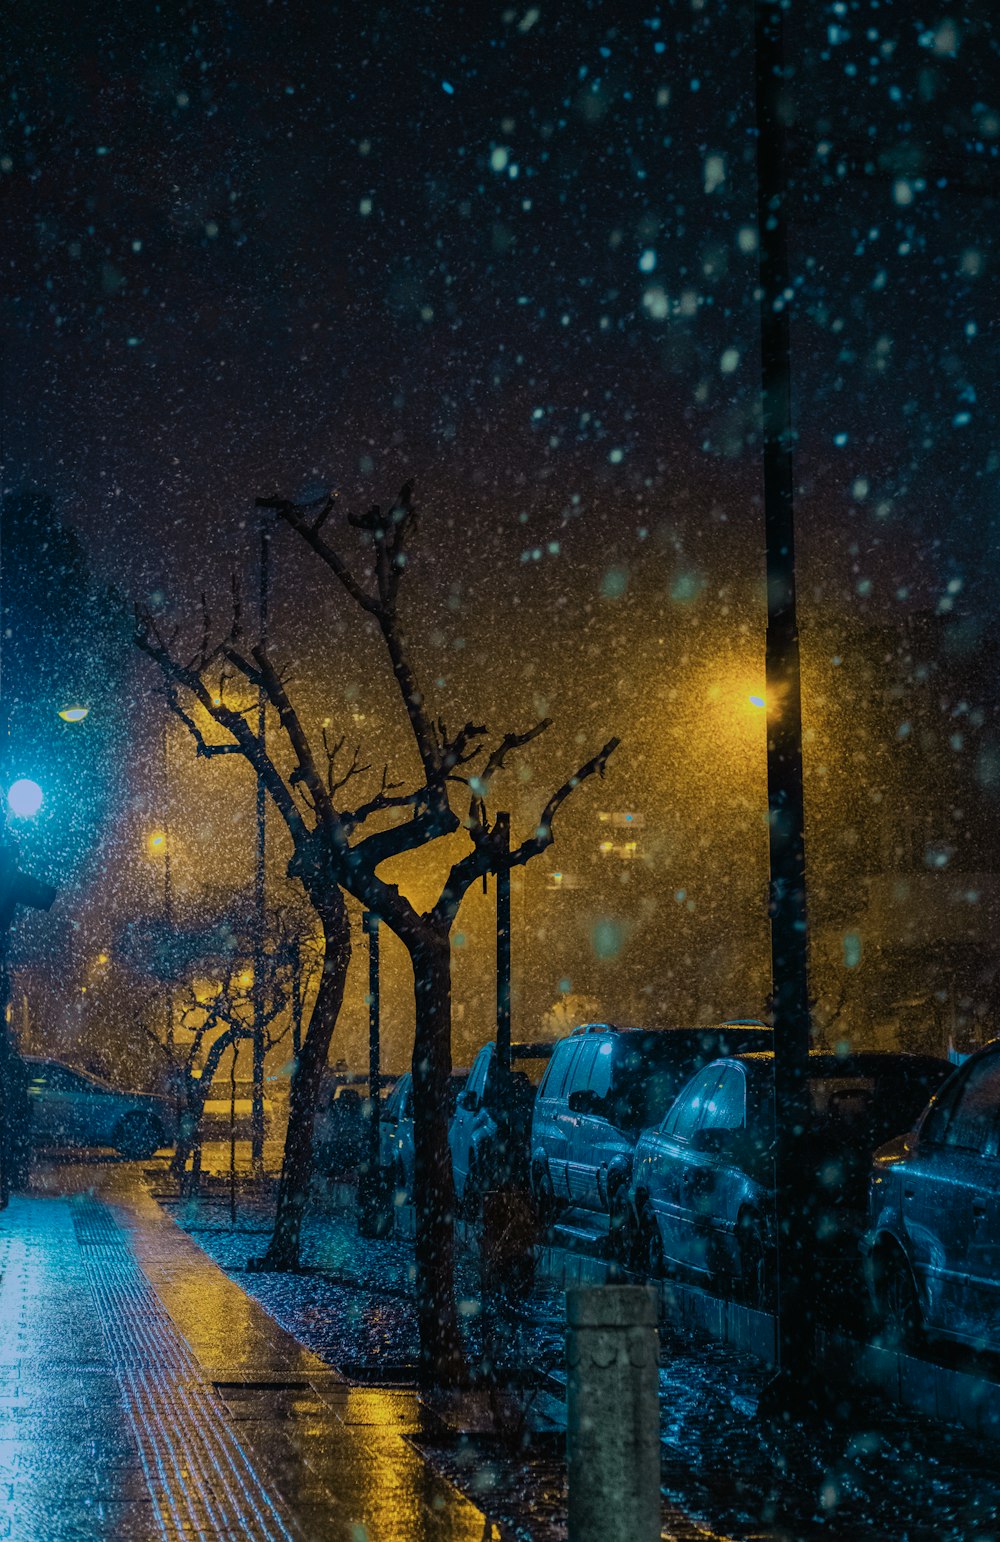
581,1171
464,1118
673,1186
611,1144
949,1200
549,1125
58,1118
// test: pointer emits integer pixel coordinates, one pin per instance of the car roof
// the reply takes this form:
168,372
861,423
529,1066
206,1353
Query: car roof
666,1033
867,1062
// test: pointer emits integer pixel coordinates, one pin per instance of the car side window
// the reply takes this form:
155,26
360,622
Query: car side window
726,1104
974,1114
686,1115
600,1071
559,1067
580,1076
56,1078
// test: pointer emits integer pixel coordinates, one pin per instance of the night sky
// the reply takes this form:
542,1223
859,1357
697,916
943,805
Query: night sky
509,251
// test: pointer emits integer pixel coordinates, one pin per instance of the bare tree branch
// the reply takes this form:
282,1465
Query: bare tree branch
293,514
488,856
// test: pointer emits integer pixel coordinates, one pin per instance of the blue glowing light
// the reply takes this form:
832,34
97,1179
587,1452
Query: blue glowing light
24,797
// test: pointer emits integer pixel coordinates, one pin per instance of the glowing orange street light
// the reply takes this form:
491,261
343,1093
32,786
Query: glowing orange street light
757,701
73,714
157,841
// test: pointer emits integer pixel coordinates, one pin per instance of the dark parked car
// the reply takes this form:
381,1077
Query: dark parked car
603,1085
342,1121
701,1193
933,1248
73,1108
489,1129
396,1128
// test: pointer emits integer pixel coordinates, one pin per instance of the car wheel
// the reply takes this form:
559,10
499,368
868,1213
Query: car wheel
897,1302
753,1283
138,1136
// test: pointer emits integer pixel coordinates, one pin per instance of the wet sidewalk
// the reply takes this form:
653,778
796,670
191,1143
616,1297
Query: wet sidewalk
144,1395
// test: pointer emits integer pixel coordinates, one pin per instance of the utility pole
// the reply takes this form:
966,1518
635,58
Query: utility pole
260,887
374,1220
168,890
789,931
502,832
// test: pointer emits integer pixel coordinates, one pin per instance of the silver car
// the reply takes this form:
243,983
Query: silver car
73,1108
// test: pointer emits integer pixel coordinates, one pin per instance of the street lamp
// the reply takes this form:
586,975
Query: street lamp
73,714
24,798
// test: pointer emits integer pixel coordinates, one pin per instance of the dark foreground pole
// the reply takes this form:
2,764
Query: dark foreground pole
789,936
374,1218
260,887
502,829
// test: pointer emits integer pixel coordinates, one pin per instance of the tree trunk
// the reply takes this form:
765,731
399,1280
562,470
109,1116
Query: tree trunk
297,1164
196,1090
442,1362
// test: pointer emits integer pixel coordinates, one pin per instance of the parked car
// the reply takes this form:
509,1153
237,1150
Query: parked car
602,1086
933,1248
396,1128
701,1194
489,1130
341,1131
73,1108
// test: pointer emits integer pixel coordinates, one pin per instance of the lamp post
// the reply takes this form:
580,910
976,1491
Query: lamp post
260,888
789,924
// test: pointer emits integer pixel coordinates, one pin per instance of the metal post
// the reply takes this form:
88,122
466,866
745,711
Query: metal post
502,832
789,935
613,1413
168,890
373,1218
260,890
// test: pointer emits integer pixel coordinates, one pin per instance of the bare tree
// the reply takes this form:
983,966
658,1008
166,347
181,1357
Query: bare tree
337,848
223,1022
447,762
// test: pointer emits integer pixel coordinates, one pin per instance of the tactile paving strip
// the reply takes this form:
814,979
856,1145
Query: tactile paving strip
203,1483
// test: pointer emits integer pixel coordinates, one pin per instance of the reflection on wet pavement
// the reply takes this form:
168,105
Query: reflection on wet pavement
144,1396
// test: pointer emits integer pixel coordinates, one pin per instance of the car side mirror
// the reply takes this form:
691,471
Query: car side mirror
586,1101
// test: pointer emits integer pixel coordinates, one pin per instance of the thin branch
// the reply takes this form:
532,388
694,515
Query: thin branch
295,516
488,856
292,725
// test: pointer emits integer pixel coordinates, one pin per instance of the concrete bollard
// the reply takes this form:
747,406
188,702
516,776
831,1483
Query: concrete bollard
613,1413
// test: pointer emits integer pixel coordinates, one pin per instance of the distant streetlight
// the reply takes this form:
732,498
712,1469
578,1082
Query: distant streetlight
73,714
757,701
157,841
24,798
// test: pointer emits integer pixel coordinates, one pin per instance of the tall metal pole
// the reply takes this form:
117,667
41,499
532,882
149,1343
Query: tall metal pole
502,830
373,1217
168,890
260,889
789,933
